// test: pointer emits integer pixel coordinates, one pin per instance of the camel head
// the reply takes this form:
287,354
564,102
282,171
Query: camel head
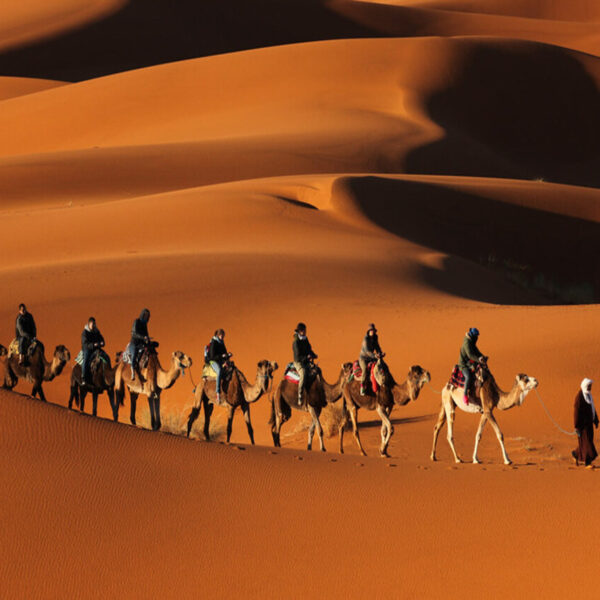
526,384
417,378
3,350
265,372
182,361
61,357
346,371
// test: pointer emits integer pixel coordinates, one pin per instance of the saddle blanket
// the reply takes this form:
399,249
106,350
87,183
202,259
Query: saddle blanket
291,374
457,378
357,374
208,372
103,356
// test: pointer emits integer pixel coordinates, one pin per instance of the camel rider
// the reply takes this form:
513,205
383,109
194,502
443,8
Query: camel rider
26,331
139,338
370,351
303,356
91,341
469,357
217,357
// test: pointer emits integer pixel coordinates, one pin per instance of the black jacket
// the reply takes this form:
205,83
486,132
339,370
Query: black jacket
139,332
217,351
89,339
25,326
370,348
302,349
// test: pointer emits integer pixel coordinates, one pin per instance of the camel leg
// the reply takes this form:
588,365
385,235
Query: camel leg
82,396
482,422
386,431
73,397
133,398
192,418
40,391
342,426
246,411
450,417
354,419
95,404
500,437
154,404
230,421
314,413
436,430
278,422
208,411
113,404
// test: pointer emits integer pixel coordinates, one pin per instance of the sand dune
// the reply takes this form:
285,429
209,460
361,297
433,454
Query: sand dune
442,178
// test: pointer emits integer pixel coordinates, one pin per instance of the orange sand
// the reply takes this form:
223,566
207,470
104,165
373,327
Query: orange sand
305,182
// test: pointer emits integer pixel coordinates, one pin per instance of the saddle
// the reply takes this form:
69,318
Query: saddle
13,348
98,355
312,372
209,374
457,380
357,374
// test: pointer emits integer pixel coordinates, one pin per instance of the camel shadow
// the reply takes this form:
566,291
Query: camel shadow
403,421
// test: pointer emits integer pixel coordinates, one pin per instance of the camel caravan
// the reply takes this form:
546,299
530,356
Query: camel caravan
365,383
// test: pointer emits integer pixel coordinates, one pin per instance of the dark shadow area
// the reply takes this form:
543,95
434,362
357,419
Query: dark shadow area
533,106
150,32
550,253
406,421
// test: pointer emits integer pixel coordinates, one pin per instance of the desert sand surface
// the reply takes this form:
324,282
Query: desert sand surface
429,166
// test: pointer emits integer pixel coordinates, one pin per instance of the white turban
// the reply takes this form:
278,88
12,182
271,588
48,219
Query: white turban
587,396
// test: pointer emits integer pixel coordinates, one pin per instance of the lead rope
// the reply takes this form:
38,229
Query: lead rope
551,418
192,380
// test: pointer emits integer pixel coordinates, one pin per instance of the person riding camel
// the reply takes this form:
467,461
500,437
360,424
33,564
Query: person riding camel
370,351
303,356
217,357
470,356
91,341
139,339
26,331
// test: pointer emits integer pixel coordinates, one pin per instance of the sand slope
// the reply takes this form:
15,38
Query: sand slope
443,178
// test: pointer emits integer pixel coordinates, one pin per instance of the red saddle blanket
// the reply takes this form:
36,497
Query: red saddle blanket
457,379
357,372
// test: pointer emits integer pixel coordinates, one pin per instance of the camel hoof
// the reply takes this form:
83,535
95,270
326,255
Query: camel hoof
433,458
476,461
508,462
458,461
323,450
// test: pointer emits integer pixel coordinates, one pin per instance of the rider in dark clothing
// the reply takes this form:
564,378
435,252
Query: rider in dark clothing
26,331
303,355
139,338
470,355
91,340
217,356
370,351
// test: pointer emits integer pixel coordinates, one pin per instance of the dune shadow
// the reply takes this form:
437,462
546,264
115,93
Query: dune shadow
552,257
516,109
150,32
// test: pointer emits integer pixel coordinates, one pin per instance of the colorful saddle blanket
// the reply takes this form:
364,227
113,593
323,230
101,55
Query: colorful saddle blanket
291,374
103,356
457,378
357,374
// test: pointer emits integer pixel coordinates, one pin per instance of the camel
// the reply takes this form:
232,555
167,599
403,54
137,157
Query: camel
37,369
490,396
103,380
317,395
383,401
154,379
239,394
